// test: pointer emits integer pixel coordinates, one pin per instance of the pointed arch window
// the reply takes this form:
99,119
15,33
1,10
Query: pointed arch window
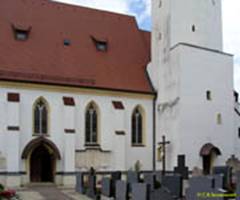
137,127
91,124
40,117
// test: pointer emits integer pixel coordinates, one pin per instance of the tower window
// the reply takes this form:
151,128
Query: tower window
21,34
160,4
100,44
193,28
208,95
66,42
219,118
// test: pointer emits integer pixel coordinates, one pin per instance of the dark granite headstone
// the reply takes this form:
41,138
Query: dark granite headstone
91,189
80,183
121,190
150,179
227,173
218,181
203,187
132,177
107,187
140,191
158,176
161,194
181,168
238,185
115,176
174,183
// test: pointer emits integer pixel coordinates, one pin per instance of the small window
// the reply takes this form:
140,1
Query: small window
100,43
21,35
160,4
13,97
219,118
118,105
66,42
68,101
101,46
208,95
193,28
239,132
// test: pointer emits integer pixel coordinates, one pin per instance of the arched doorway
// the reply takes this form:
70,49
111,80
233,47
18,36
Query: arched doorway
42,155
42,165
209,153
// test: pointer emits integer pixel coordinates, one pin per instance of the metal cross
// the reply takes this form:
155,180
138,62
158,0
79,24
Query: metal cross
163,144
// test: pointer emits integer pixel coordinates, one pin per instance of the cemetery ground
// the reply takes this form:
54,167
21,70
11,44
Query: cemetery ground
180,184
49,192
222,183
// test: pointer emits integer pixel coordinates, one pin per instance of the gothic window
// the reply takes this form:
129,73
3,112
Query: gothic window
40,117
91,124
137,127
208,95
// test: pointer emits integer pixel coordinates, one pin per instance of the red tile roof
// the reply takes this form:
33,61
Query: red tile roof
43,58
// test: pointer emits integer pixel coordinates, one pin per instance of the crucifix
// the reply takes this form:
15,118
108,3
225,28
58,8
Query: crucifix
163,144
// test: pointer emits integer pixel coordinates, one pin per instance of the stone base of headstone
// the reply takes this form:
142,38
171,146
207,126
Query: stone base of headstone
106,198
161,194
140,191
121,190
174,183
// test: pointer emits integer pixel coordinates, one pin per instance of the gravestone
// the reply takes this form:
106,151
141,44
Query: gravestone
140,191
204,187
238,185
161,194
181,168
150,179
115,176
158,176
80,183
174,183
121,190
233,162
227,173
133,177
219,181
107,187
91,189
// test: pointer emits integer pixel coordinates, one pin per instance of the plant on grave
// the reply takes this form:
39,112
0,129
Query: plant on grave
7,194
137,166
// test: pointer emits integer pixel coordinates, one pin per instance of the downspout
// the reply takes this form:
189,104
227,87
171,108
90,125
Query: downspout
154,132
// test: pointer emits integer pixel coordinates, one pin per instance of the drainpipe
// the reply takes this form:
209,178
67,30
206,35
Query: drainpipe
154,131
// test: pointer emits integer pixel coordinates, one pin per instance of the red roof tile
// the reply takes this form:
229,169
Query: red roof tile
43,58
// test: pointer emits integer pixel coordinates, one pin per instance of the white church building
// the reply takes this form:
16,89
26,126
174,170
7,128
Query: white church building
83,88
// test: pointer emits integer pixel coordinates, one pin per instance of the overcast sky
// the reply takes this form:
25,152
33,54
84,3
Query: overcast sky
141,9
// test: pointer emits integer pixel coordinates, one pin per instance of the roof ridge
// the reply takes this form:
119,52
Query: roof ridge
76,6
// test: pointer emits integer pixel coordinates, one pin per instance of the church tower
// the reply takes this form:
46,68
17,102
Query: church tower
193,79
